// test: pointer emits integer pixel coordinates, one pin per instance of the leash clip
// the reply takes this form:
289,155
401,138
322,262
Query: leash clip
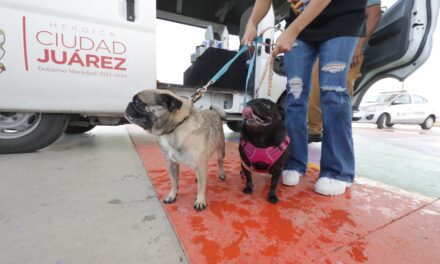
200,92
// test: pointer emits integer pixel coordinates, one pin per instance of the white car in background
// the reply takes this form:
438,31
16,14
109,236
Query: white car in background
387,109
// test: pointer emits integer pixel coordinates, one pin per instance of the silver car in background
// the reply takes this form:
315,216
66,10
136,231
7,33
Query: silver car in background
387,109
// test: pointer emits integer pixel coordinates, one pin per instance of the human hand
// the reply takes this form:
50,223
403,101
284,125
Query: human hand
249,35
284,43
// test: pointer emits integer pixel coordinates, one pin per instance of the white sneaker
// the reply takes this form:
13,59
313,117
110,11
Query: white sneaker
331,187
290,177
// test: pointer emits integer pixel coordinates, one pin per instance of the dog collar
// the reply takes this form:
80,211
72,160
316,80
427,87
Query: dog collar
174,128
268,155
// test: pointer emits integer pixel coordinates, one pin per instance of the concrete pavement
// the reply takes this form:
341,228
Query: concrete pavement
85,199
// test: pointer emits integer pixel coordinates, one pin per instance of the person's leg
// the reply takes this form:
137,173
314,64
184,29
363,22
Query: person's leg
298,63
353,74
314,114
314,109
337,154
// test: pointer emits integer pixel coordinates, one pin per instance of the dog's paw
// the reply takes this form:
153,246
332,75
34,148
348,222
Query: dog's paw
248,190
273,199
170,199
222,177
199,206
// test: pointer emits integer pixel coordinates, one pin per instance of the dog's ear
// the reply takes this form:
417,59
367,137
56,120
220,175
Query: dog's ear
172,103
282,113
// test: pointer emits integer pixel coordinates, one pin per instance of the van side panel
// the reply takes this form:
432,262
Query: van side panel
75,56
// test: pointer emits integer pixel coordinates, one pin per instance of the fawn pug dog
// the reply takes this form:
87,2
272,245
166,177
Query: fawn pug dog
186,134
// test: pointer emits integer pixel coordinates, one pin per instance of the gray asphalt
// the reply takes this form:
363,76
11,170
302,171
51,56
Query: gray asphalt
404,156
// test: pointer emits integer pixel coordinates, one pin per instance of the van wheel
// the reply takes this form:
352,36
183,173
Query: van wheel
428,123
234,125
78,129
28,132
383,121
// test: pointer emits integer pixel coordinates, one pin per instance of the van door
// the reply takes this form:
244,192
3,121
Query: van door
82,56
400,45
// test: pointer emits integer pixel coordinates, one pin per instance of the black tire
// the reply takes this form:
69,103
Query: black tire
428,123
78,129
234,125
389,125
43,132
383,120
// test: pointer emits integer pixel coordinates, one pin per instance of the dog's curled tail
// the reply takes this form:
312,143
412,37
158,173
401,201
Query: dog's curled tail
220,111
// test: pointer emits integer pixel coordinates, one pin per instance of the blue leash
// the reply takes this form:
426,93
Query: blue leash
199,93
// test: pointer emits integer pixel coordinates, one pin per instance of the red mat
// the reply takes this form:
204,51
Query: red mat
366,225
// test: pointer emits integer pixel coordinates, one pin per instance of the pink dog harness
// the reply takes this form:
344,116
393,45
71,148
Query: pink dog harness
268,155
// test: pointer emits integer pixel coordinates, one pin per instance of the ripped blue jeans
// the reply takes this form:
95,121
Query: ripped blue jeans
337,154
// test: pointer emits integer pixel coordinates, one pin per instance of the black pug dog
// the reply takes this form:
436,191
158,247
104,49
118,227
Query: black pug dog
263,143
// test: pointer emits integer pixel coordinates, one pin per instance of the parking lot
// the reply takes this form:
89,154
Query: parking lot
404,156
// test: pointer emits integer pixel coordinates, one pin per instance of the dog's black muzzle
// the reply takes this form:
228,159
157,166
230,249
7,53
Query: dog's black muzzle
136,113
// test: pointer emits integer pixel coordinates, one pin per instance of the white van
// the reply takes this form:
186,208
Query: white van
76,64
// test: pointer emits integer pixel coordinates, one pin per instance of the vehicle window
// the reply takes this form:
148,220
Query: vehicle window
419,100
404,99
